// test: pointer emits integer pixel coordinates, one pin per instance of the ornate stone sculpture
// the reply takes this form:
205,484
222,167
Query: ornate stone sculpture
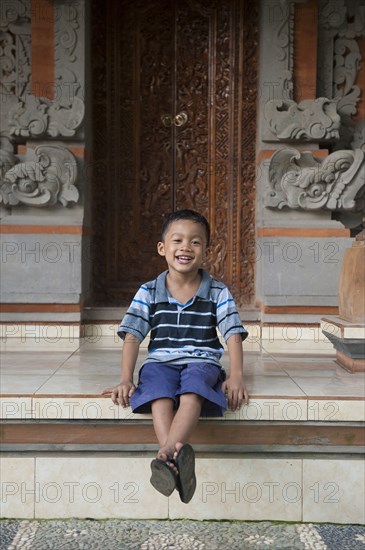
25,115
43,182
298,180
37,117
310,120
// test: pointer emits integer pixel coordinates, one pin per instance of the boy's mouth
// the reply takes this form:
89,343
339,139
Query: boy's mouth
184,259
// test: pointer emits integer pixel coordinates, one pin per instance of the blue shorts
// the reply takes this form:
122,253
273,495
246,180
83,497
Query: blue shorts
161,380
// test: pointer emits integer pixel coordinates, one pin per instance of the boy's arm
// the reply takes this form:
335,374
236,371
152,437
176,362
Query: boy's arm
125,389
234,386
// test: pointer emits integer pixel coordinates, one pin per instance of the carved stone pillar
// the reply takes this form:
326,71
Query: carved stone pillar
311,158
43,181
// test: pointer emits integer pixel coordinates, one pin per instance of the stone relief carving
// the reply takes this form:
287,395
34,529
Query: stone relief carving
340,23
49,177
298,180
27,115
310,120
48,180
36,117
15,48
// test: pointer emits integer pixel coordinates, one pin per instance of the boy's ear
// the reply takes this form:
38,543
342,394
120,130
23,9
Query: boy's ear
206,255
161,248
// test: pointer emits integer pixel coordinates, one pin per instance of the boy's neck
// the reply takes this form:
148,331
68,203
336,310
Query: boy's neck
184,279
183,286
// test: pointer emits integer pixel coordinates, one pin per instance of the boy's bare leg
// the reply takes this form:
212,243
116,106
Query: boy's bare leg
181,426
163,415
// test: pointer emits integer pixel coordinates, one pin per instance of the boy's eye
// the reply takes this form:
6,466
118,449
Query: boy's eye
196,242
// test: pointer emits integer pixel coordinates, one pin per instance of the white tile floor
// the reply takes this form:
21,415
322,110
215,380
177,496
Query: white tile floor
87,371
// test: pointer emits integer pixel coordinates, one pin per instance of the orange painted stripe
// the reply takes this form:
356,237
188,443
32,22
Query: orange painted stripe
43,62
268,153
39,308
305,50
77,151
320,310
44,229
301,232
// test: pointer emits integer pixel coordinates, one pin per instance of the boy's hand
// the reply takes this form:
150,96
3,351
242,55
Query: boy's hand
120,394
235,392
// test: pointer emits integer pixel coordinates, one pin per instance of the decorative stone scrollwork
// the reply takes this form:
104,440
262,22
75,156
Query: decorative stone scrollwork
15,47
298,180
310,120
44,182
26,115
37,117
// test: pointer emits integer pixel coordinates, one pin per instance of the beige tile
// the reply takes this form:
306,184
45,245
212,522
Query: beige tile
25,384
271,409
244,489
95,343
48,333
18,490
93,332
334,387
255,364
78,408
25,361
13,408
272,386
38,345
98,486
312,369
336,410
295,347
333,490
92,361
76,384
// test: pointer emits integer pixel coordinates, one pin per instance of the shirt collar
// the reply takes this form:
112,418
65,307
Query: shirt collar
162,293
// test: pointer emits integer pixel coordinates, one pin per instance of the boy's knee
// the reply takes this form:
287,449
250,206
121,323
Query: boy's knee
191,398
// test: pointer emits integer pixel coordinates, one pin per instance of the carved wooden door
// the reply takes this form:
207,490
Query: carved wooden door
168,134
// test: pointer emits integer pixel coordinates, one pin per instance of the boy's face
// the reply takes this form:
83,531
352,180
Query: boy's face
184,246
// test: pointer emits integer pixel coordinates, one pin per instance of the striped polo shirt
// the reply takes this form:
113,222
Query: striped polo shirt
183,332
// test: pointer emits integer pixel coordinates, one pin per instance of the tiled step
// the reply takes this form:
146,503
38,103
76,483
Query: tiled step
294,453
295,407
301,488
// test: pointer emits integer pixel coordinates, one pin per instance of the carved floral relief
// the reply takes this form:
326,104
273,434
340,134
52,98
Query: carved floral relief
38,182
299,180
48,180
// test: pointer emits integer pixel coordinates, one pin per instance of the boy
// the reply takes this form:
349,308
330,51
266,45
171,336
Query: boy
182,378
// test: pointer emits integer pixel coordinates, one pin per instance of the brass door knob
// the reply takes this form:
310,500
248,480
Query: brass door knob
181,119
166,120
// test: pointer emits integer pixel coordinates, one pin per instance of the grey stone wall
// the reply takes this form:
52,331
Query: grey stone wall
299,188
44,180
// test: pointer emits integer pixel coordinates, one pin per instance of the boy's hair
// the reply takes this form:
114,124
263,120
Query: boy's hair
186,215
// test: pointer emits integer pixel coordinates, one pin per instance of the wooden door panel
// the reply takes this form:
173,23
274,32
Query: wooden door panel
204,149
155,58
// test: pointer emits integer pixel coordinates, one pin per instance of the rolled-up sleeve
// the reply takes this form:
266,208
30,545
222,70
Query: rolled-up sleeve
137,318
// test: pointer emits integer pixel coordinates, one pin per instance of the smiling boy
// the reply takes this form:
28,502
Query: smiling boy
182,377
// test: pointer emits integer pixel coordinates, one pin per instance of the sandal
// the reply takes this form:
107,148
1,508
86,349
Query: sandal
163,477
186,480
